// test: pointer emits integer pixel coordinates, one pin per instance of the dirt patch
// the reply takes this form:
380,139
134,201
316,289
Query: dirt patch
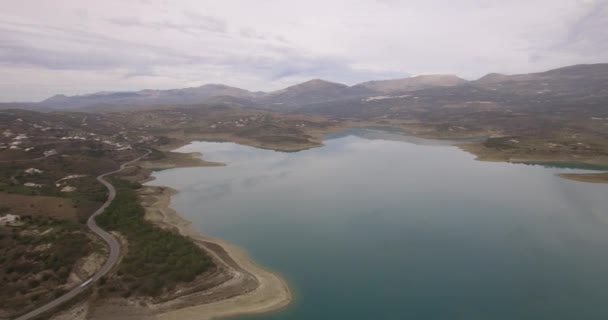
118,309
76,312
56,207
86,267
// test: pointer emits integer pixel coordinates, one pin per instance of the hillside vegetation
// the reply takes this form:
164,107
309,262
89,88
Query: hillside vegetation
37,256
156,259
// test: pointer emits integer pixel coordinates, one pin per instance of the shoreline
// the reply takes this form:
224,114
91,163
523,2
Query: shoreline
269,292
599,176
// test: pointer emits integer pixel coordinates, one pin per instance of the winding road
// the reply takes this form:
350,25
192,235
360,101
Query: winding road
106,236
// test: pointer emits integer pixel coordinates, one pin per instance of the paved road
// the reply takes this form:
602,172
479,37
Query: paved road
107,237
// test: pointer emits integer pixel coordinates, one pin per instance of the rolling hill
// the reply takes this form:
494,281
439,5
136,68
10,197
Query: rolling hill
579,88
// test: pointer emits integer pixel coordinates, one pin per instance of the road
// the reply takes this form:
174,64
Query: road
106,236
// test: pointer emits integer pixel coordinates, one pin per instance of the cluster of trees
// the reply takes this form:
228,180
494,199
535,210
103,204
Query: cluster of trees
66,244
500,143
157,259
37,257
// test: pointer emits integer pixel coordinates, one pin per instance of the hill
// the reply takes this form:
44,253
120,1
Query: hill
310,92
146,97
413,83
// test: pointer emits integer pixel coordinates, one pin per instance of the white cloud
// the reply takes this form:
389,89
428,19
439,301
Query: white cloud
77,46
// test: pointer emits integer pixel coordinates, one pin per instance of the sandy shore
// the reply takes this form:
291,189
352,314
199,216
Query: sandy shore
586,177
251,289
488,155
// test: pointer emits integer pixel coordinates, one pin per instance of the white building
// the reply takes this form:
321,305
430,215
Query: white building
33,171
9,219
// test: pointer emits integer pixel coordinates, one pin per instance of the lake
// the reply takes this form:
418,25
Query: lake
375,225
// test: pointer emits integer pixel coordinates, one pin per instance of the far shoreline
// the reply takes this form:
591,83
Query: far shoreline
468,144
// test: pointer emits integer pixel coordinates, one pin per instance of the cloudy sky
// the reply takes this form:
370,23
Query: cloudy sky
82,46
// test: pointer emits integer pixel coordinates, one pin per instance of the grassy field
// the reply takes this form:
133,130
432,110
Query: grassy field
40,206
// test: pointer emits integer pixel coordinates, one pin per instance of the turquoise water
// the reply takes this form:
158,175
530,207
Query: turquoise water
375,226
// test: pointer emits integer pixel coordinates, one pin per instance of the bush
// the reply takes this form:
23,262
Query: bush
34,283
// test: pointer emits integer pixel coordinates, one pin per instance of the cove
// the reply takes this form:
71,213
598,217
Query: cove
379,226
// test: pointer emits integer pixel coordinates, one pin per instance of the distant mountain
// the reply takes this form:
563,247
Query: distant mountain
588,82
310,92
578,79
413,83
147,97
577,72
493,78
580,91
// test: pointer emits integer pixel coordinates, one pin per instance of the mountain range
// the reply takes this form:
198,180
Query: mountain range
559,86
290,98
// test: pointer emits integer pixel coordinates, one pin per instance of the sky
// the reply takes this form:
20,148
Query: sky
73,47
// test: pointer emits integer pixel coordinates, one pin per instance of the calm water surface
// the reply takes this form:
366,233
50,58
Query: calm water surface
378,226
